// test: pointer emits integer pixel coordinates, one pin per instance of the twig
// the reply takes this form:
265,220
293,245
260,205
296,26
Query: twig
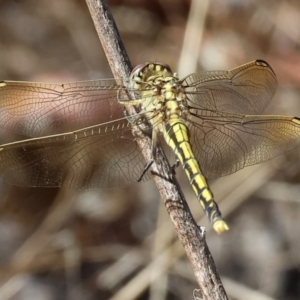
191,237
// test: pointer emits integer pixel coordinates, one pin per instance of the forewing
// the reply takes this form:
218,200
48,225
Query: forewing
246,89
103,156
38,109
225,143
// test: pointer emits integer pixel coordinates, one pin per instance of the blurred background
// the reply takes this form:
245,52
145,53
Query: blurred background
120,244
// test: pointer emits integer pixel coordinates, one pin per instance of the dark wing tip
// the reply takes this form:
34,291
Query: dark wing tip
262,63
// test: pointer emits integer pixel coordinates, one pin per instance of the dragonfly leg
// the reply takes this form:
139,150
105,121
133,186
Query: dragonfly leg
153,155
134,120
175,165
147,167
131,119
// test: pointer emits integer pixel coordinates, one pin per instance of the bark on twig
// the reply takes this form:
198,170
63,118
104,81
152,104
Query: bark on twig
191,236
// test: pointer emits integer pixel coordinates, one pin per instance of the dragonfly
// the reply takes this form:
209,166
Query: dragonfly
76,135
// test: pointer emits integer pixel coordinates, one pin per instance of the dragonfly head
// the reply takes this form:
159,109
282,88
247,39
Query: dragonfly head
150,72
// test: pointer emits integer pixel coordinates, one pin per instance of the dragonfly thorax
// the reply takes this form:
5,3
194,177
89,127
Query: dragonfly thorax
161,94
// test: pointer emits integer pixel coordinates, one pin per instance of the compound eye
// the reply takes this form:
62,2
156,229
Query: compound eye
138,68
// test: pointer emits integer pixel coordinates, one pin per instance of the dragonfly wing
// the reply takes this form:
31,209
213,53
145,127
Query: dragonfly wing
223,144
103,156
246,89
38,109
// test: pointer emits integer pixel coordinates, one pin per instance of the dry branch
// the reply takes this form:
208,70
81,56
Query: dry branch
192,238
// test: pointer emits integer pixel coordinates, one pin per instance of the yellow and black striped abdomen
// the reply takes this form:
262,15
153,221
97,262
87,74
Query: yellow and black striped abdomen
177,137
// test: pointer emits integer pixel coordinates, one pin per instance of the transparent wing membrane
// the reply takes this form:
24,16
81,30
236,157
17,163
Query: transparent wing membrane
247,89
102,156
37,109
226,143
